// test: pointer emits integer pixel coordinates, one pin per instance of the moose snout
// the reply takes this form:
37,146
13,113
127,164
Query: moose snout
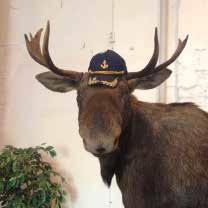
98,141
100,147
100,150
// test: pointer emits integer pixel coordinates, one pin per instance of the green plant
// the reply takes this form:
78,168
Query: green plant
25,179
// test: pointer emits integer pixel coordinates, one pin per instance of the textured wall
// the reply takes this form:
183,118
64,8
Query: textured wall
4,70
193,68
189,82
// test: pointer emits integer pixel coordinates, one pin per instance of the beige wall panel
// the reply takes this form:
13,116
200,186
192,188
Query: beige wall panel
4,19
189,82
193,71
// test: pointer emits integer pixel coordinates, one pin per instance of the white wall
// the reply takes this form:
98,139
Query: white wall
80,29
189,81
194,87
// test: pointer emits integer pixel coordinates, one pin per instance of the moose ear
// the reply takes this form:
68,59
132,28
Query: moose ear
149,82
57,83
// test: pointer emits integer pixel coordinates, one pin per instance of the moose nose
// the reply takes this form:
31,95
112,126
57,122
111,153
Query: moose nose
100,150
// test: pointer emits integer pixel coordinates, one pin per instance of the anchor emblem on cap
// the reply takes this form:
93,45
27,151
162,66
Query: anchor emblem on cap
104,65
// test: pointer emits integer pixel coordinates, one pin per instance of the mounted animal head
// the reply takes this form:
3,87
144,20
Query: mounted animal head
103,110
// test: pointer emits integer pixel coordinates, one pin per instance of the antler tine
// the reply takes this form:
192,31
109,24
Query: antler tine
181,46
47,57
43,57
149,68
153,61
33,47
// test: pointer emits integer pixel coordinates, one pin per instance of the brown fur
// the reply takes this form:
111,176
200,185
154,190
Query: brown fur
162,159
158,152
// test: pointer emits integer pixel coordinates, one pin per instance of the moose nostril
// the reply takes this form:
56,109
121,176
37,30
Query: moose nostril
100,150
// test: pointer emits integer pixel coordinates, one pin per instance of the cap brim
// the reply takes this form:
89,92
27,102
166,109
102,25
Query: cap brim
103,79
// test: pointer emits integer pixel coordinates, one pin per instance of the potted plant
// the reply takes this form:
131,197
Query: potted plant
26,179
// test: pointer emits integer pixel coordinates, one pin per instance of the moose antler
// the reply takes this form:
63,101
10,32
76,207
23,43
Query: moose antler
150,67
153,61
181,46
43,57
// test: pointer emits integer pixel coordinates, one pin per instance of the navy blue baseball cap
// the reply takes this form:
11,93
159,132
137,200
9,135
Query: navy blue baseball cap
106,68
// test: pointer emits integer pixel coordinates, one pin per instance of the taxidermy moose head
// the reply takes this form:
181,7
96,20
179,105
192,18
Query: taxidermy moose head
158,152
103,93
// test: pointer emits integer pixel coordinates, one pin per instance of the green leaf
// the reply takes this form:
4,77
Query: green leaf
1,187
11,183
49,148
14,166
25,180
58,205
52,153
